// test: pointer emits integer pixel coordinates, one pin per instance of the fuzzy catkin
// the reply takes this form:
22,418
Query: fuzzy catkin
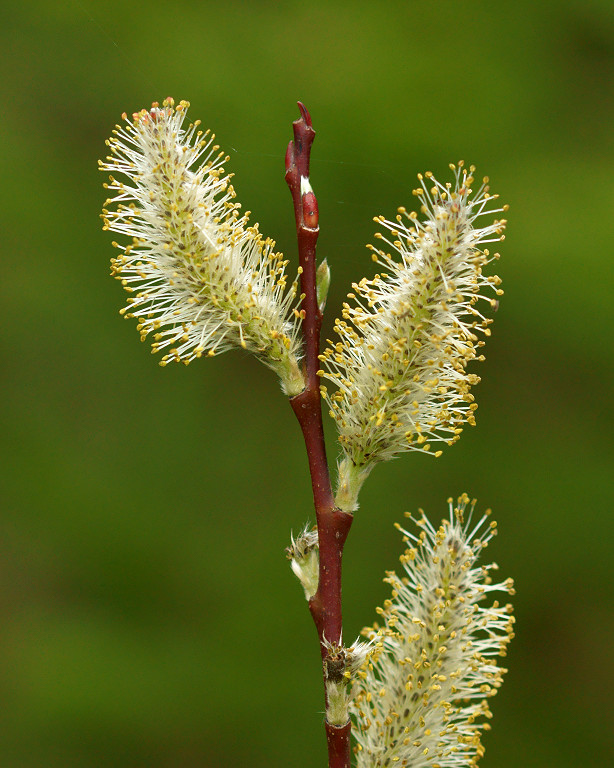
202,279
422,697
408,334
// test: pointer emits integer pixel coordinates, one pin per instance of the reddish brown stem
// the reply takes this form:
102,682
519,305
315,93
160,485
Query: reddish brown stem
333,524
338,740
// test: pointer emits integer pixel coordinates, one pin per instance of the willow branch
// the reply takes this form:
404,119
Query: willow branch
333,524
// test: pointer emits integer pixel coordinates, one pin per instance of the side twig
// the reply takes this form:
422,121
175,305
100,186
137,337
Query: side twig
333,524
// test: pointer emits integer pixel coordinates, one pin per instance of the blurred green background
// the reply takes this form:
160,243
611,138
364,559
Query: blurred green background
148,618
